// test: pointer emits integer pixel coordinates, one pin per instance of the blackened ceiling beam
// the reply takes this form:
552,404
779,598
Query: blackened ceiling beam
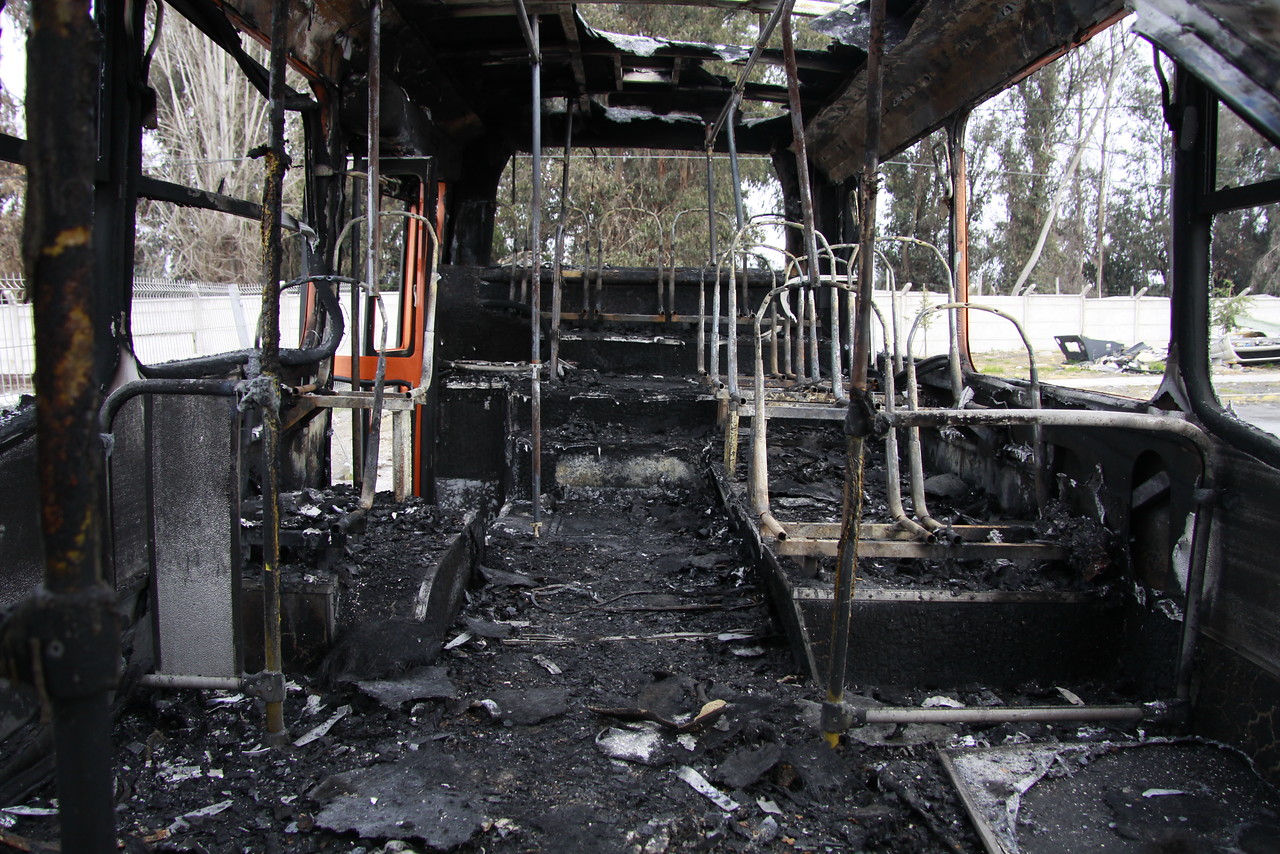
569,23
609,128
956,54
662,57
470,8
1233,47
11,148
656,93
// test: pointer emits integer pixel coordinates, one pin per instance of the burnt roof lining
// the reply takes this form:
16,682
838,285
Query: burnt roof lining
923,87
485,8
946,64
1233,48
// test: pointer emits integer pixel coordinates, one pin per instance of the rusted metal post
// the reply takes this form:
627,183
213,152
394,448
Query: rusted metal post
266,393
861,410
64,640
958,231
372,250
535,228
558,288
355,334
806,194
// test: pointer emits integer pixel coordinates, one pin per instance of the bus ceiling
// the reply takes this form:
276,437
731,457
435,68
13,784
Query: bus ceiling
464,64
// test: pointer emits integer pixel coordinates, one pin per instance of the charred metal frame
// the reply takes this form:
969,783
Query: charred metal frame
266,393
857,425
1193,118
64,641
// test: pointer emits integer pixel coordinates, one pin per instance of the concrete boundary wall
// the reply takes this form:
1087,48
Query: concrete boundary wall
177,320
1128,320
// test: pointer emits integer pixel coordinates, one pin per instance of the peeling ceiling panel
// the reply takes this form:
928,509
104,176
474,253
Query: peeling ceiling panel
851,25
1233,46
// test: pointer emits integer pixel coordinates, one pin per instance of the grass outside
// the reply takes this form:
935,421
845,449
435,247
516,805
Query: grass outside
1233,383
1051,365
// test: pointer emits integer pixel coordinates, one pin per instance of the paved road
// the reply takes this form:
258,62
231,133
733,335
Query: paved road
1263,415
1253,396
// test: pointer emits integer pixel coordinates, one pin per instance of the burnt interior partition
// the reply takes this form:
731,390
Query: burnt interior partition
175,499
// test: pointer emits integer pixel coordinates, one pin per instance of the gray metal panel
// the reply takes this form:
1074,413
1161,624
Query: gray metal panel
130,528
195,488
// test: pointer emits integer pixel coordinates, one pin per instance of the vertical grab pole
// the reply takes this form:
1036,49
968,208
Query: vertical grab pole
355,335
738,210
558,286
372,249
711,261
269,391
70,646
806,201
731,342
535,227
858,419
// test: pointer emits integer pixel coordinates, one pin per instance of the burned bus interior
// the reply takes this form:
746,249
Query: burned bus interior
488,531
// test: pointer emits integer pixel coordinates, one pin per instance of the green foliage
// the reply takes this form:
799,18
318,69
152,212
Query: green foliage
1115,211
619,192
13,182
630,198
1227,306
917,193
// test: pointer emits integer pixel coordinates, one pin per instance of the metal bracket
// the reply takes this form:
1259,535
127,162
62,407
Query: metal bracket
839,717
860,419
64,645
266,685
261,391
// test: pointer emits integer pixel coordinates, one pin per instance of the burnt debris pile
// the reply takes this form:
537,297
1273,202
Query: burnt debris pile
638,671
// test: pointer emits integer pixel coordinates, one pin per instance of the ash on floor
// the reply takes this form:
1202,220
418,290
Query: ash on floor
614,684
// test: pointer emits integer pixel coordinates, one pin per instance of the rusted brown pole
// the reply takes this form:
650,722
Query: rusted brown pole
267,392
802,174
557,292
535,265
861,411
70,649
373,248
959,227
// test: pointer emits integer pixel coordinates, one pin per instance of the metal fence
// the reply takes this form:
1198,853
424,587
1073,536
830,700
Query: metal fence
17,341
179,320
171,320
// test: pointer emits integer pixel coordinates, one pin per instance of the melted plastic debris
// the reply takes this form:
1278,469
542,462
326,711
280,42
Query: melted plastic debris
851,25
623,115
403,800
700,785
323,729
424,683
641,743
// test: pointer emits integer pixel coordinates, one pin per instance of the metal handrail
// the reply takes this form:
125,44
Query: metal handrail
914,452
758,474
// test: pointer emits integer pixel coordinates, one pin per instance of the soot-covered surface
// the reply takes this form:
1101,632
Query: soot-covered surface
614,684
597,674
806,475
1159,796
